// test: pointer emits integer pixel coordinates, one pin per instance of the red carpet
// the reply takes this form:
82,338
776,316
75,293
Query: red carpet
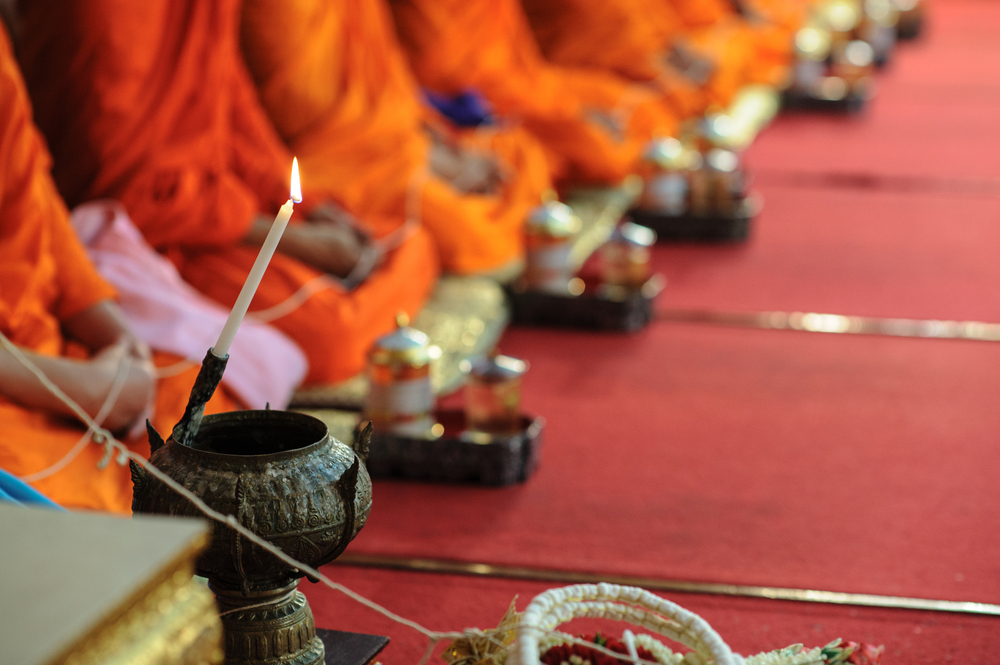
846,463
866,253
448,603
791,459
935,113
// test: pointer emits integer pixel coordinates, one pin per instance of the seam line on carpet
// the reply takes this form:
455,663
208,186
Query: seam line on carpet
816,322
875,182
444,566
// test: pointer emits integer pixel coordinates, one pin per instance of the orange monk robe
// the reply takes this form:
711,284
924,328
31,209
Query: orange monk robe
45,278
628,37
635,38
757,45
336,85
595,124
150,103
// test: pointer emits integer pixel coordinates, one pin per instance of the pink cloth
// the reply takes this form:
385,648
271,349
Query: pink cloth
169,315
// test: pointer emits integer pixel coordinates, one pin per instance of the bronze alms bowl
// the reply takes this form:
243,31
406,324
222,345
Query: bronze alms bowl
284,478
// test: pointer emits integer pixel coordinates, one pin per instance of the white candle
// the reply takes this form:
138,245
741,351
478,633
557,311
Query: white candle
239,310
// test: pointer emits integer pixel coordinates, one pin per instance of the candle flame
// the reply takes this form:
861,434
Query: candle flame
296,190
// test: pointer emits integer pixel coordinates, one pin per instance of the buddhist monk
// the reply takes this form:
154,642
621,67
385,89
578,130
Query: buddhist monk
60,314
150,103
336,85
596,124
699,53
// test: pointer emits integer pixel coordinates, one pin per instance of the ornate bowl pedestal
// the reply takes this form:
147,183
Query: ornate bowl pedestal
284,478
282,630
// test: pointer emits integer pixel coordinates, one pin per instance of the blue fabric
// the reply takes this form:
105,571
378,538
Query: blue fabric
14,490
468,109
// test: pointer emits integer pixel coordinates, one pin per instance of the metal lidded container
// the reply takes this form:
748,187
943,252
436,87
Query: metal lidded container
493,394
549,232
725,179
400,398
624,258
666,190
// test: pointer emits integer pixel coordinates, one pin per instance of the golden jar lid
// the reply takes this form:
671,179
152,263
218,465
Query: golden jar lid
725,161
632,234
404,345
841,15
667,153
812,42
553,219
494,368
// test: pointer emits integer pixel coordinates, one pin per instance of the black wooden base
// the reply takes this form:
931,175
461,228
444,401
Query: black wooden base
350,648
851,104
910,28
459,456
694,228
596,309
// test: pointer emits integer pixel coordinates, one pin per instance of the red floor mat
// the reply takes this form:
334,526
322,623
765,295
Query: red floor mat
776,458
934,115
443,602
845,463
861,252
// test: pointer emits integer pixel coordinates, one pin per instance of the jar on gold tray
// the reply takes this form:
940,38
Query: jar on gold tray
493,394
624,258
549,231
400,398
666,188
855,63
725,180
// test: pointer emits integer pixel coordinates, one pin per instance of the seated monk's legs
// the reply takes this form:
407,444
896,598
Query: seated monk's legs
484,233
33,441
333,327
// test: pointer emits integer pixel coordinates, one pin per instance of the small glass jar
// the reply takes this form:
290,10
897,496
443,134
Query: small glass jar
493,394
666,189
624,258
725,180
855,62
400,397
549,231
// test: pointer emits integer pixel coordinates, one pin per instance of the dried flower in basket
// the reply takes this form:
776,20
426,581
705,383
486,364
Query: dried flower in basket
492,647
488,647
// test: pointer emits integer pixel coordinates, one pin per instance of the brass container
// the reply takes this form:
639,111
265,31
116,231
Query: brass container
842,18
666,188
549,231
911,18
699,187
878,27
855,65
400,397
624,258
493,394
724,180
283,477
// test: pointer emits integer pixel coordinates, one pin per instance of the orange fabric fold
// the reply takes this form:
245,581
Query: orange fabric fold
634,38
594,124
335,82
151,103
46,278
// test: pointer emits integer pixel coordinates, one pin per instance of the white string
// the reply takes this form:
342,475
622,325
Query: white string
113,393
124,454
296,300
174,369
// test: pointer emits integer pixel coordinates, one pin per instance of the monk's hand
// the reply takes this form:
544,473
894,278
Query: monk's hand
104,324
467,170
117,363
136,348
330,247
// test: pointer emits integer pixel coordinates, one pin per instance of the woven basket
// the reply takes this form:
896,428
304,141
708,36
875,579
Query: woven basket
617,603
